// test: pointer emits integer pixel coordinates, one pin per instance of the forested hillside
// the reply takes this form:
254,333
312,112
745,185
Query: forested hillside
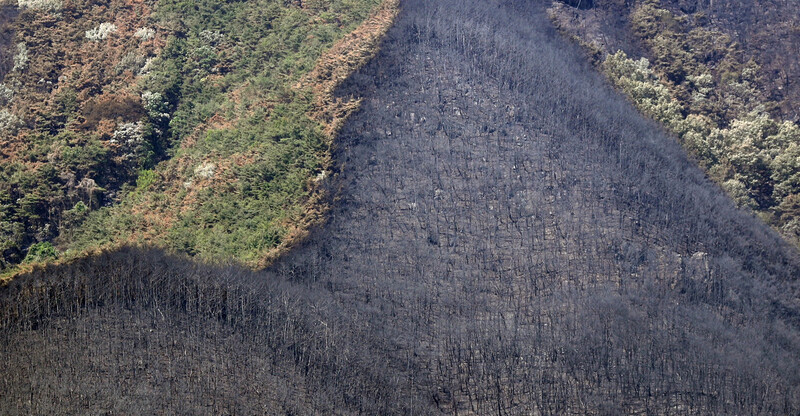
722,76
126,121
508,236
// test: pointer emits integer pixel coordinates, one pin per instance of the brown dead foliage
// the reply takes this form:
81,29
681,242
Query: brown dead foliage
63,59
345,57
122,107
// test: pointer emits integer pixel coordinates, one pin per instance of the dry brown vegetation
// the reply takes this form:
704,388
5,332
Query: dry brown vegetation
338,63
88,69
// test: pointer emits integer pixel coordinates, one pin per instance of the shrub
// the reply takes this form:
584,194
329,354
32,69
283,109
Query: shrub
40,252
9,123
145,33
21,58
111,107
75,216
6,94
132,61
128,133
101,32
146,178
637,80
48,5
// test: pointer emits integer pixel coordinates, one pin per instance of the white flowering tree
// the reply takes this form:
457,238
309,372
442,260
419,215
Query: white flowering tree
101,32
48,5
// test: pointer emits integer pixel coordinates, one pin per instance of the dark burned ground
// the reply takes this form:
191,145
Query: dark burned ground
508,237
7,49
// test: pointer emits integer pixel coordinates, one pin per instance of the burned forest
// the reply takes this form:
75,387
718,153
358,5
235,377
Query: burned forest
508,236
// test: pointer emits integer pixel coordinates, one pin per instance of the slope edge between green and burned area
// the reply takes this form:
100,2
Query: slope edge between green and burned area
721,76
230,134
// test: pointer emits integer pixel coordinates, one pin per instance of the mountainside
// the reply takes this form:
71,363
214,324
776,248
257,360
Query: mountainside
769,32
507,235
720,75
764,32
125,122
